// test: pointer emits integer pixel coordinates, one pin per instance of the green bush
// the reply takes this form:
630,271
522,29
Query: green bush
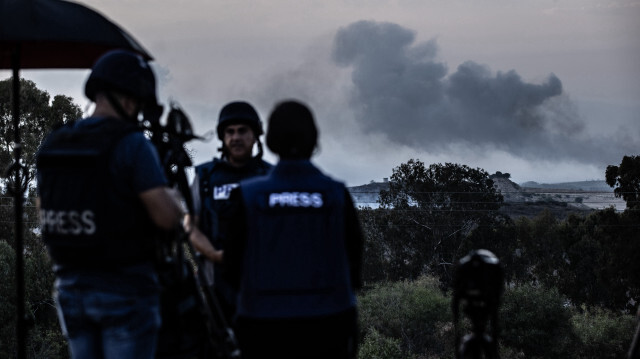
602,334
412,319
415,313
377,346
537,322
44,337
47,341
7,301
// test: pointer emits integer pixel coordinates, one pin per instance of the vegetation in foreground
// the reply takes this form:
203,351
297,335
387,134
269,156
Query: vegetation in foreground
412,319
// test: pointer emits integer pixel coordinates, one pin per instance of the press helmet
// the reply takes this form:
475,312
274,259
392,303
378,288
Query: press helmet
122,71
239,112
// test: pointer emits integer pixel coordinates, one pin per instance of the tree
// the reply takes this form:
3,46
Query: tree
38,115
499,174
587,258
625,179
441,188
427,215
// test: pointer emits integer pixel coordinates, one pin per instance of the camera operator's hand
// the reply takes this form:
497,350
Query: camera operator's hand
201,242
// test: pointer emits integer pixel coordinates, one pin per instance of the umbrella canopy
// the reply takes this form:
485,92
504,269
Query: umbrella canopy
57,34
48,34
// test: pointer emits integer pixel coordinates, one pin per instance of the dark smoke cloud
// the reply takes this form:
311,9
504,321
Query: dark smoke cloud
402,91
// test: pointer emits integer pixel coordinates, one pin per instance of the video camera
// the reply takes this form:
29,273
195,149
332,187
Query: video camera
169,138
193,323
478,286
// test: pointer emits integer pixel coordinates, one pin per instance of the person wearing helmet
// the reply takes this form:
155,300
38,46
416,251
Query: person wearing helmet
102,193
296,251
239,128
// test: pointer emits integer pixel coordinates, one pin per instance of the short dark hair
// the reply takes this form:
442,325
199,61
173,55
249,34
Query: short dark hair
292,132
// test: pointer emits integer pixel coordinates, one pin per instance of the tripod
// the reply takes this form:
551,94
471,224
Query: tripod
195,324
478,344
478,286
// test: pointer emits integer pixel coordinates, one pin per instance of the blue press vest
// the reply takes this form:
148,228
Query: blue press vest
217,179
295,262
86,221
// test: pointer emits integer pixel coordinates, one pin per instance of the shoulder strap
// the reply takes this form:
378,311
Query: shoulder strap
204,176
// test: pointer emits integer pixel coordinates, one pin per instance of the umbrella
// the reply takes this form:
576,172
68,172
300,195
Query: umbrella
57,34
48,34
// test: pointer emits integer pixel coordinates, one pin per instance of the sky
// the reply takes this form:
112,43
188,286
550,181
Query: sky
546,90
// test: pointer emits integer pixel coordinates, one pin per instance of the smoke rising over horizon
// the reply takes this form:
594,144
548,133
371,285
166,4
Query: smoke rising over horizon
402,91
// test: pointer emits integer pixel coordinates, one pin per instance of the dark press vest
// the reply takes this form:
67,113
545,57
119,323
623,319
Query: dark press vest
217,179
85,220
295,263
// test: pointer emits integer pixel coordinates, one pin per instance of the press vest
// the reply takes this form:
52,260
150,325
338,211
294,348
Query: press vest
295,262
85,220
217,179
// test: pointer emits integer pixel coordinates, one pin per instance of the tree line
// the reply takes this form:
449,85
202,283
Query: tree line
430,217
572,284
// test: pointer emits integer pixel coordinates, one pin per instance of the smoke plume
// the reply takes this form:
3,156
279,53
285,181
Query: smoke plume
402,91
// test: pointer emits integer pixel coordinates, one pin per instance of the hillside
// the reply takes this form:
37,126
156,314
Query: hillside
367,195
530,198
592,186
527,199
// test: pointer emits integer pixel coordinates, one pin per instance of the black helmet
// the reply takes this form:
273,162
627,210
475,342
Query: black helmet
292,131
125,72
239,112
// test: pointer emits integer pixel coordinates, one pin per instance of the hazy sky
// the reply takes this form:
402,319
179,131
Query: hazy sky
546,90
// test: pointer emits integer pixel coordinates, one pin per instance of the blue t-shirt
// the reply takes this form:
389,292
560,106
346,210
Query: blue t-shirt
136,165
